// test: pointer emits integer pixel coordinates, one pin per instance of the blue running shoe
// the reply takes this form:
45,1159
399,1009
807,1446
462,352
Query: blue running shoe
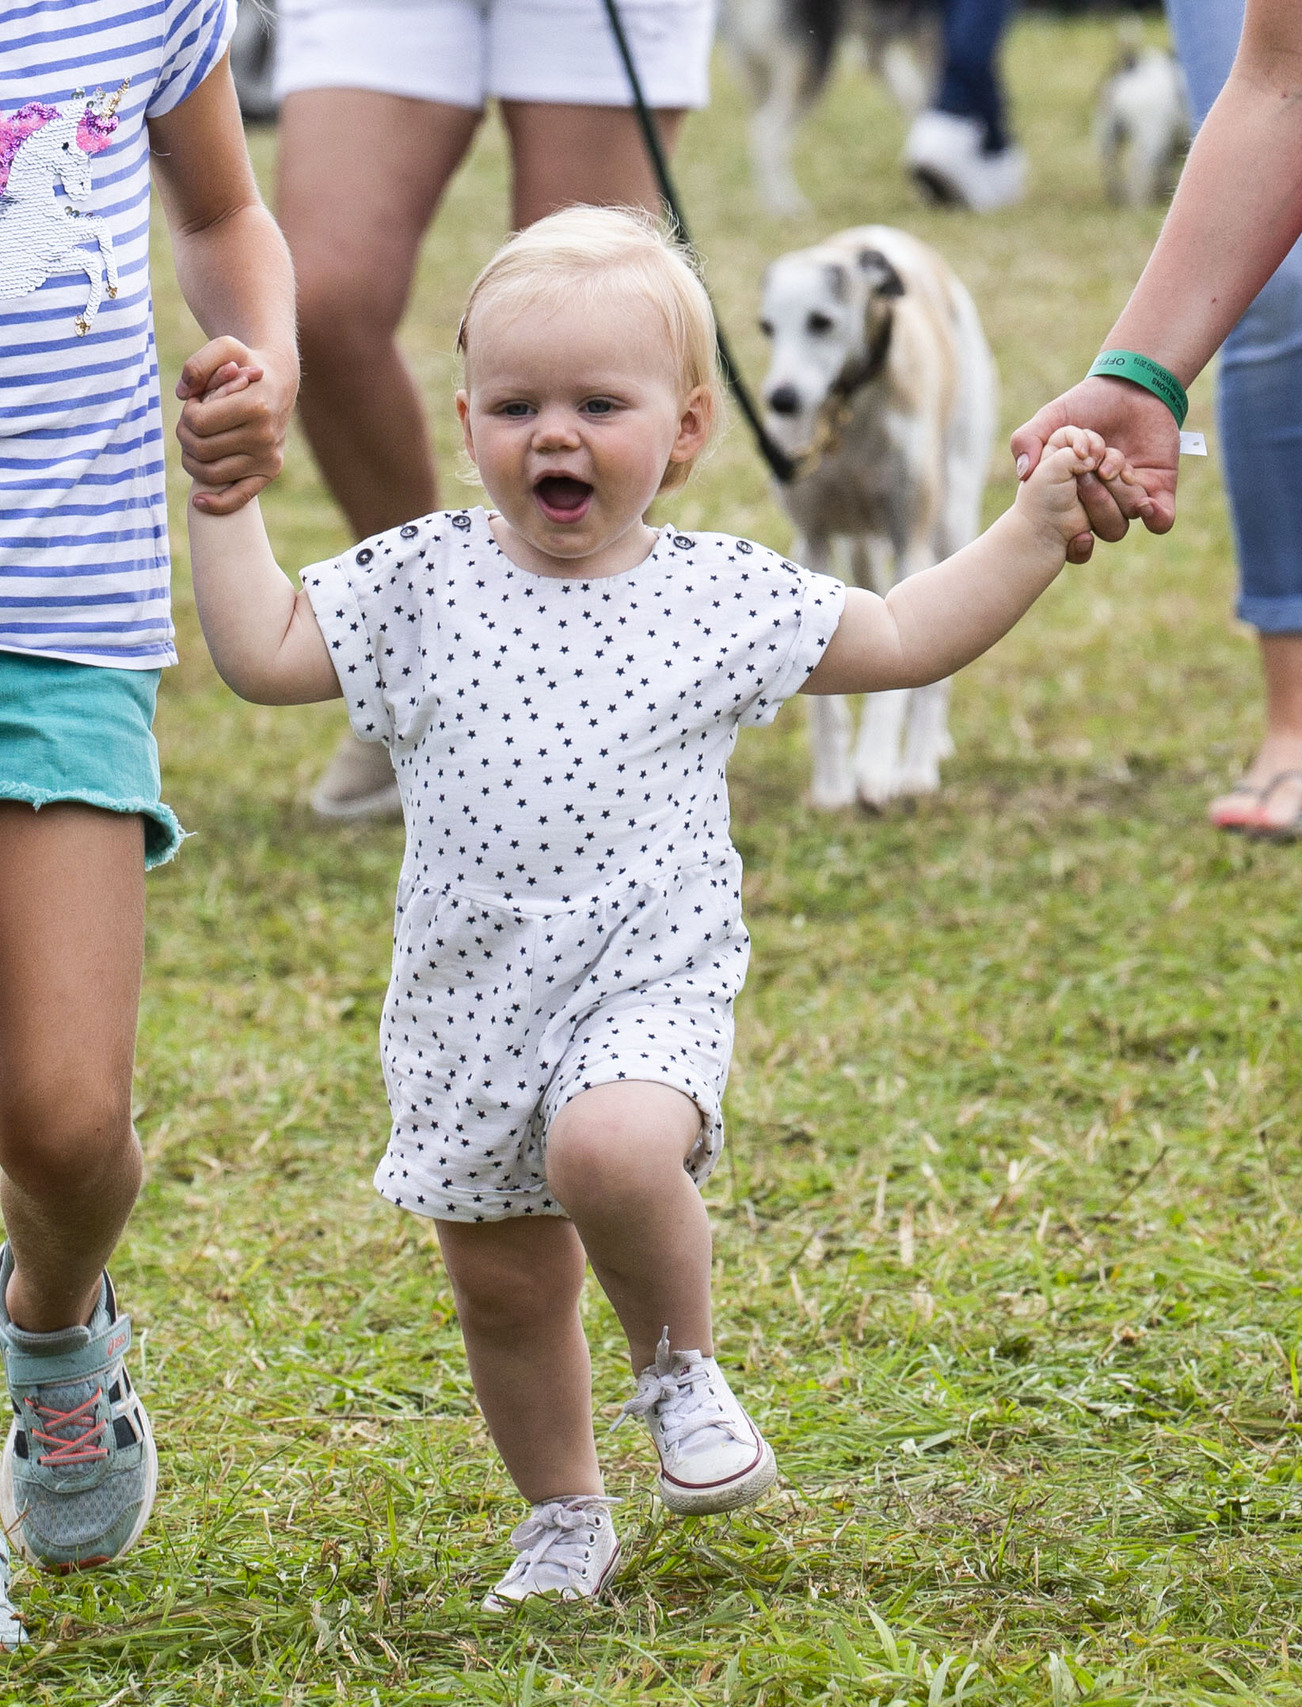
80,1468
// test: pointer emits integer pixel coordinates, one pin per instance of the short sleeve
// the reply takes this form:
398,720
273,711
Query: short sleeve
374,606
339,617
807,609
198,33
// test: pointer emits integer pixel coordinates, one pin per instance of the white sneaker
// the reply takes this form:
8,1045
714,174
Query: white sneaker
566,1548
946,154
712,1457
358,782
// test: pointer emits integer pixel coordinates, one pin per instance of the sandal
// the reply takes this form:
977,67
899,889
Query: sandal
1289,829
1225,814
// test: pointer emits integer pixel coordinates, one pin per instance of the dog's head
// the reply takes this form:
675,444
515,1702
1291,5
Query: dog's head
827,312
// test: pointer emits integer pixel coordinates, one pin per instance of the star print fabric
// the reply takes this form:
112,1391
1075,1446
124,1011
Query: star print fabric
569,908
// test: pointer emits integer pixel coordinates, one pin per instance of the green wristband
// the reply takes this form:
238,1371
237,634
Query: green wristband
1143,370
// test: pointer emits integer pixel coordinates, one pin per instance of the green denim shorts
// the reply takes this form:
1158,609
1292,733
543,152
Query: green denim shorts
81,732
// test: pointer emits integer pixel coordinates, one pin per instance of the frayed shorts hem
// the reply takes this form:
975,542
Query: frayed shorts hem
163,832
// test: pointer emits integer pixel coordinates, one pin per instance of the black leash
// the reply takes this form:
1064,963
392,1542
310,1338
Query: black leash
781,466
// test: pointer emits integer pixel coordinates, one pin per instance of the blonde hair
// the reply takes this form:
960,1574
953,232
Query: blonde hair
591,254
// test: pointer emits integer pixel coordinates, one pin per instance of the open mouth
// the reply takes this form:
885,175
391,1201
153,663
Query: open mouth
561,498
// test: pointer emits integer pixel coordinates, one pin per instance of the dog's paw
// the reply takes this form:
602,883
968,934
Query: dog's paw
824,798
876,786
918,779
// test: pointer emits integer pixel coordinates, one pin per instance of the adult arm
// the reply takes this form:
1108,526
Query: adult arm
235,273
262,634
1236,213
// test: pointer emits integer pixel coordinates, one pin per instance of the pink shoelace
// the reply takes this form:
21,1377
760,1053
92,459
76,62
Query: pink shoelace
82,1448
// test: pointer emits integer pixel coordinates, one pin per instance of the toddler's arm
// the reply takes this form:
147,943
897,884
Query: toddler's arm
263,635
936,621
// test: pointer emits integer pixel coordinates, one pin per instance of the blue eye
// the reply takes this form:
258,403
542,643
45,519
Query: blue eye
599,406
516,411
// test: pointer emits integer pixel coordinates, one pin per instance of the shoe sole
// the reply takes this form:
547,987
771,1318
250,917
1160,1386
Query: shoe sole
491,1603
742,1490
11,1517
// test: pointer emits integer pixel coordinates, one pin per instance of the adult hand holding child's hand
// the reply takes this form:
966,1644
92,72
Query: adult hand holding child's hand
1142,429
232,428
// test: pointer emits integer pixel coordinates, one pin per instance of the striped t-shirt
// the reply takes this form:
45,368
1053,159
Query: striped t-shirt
84,570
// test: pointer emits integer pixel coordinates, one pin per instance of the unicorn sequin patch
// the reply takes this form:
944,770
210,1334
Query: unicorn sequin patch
41,234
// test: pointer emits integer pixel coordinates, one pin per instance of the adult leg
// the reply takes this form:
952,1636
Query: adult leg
959,149
71,948
563,154
1260,418
360,176
516,1285
615,1161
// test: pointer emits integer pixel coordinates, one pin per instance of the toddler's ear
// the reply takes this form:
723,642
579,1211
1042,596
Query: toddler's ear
463,415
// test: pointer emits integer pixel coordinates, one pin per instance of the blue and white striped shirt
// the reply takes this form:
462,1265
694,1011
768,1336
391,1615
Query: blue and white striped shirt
84,567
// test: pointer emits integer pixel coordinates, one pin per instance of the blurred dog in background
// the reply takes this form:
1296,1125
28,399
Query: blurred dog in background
1141,124
883,388
785,49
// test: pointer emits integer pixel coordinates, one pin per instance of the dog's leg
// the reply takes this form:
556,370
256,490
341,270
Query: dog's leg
773,125
928,740
881,726
832,784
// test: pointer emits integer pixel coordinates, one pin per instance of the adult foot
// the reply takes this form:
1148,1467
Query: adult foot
358,782
946,154
80,1468
1278,816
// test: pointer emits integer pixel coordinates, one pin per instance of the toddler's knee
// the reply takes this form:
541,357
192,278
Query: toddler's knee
63,1138
594,1162
503,1305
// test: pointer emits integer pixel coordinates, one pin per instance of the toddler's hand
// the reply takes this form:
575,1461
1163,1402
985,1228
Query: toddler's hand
1050,498
232,428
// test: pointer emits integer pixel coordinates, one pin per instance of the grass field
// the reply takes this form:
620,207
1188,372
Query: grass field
1007,1221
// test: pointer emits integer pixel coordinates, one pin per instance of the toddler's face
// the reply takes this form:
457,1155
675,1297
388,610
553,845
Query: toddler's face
572,418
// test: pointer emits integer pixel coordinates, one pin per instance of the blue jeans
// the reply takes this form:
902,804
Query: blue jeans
1259,395
969,82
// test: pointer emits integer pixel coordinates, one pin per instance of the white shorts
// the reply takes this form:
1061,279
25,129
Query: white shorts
496,1018
461,52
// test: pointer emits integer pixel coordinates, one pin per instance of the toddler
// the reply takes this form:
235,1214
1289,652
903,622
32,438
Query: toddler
560,686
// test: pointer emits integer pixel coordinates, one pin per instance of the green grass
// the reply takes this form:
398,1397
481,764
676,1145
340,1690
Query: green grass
1006,1223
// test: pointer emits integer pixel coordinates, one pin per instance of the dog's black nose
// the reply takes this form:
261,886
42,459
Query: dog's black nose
784,400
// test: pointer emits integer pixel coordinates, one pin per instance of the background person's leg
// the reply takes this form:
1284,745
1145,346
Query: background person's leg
1259,414
563,154
959,149
359,176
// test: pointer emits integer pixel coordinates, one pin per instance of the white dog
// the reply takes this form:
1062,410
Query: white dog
784,51
1141,125
883,387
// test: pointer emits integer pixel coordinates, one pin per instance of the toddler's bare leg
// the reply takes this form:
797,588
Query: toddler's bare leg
517,1286
615,1161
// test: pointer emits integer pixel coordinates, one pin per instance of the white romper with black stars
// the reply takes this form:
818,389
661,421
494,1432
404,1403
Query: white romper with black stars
569,909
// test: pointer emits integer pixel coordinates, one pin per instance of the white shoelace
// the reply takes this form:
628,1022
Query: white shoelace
549,1536
684,1389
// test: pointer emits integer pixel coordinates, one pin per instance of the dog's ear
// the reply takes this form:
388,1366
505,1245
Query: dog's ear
838,280
882,277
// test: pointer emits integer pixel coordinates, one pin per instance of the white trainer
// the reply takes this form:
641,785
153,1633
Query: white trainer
712,1457
947,156
565,1548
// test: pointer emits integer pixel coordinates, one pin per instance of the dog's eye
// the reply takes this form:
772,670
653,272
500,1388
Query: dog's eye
766,326
819,324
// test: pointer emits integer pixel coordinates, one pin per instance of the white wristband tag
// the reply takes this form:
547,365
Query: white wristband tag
1192,444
